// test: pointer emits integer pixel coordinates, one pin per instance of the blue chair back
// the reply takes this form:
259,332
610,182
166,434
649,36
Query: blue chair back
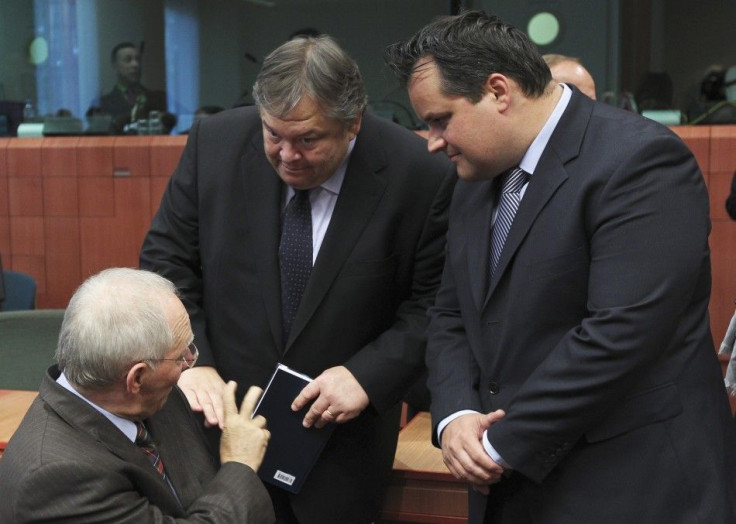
20,291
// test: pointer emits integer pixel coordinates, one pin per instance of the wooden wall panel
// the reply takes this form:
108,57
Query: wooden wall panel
24,157
698,140
27,236
165,154
4,200
96,196
5,250
723,149
25,196
4,157
59,156
132,156
60,197
116,241
95,156
63,265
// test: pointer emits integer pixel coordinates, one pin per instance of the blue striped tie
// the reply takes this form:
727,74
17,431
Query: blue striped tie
508,203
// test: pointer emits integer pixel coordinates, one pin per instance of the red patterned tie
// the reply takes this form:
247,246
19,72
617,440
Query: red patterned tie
144,441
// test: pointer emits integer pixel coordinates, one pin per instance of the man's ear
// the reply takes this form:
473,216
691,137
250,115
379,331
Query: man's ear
134,378
498,86
354,128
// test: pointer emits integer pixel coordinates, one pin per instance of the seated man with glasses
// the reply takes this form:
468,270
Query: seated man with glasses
110,438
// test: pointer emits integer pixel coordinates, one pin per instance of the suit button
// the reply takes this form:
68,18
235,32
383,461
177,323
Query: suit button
493,388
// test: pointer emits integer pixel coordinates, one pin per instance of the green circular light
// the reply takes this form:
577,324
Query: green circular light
543,28
38,51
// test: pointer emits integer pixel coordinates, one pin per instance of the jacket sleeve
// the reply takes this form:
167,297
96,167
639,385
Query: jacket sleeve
171,247
383,374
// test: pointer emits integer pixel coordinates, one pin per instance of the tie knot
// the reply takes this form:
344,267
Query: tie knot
514,180
301,194
142,436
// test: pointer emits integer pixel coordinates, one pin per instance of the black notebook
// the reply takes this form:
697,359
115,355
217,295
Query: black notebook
292,449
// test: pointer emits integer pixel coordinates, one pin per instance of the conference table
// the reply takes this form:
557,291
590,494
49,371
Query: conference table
13,407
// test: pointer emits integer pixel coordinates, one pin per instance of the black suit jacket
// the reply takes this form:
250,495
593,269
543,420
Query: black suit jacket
216,236
116,104
68,463
594,334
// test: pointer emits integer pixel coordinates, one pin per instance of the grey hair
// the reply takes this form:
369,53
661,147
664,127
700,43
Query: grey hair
316,67
115,318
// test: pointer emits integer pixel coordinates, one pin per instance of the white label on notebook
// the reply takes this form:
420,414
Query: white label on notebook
284,477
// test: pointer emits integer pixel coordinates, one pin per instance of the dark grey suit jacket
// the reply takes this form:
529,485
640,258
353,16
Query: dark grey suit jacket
594,334
68,463
216,236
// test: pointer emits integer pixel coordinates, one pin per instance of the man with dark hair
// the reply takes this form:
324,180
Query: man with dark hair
341,294
129,100
571,365
110,438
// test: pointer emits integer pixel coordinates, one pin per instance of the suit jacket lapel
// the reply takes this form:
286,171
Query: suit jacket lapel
550,173
360,194
477,227
262,189
85,419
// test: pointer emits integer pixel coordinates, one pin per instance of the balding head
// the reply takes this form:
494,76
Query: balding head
569,70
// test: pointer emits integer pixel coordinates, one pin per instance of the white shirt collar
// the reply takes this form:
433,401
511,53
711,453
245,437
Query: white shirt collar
123,424
533,154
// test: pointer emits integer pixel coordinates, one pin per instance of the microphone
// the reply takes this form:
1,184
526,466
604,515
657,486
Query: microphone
251,58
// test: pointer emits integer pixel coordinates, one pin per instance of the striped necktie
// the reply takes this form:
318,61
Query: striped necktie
144,441
508,203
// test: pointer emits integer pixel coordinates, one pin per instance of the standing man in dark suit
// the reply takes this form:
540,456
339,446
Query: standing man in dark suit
78,455
129,100
572,370
378,222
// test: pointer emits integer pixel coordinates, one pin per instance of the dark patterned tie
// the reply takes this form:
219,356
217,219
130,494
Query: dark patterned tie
295,255
144,441
508,202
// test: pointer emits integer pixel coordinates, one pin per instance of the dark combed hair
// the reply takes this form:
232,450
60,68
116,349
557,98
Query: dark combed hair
467,48
118,47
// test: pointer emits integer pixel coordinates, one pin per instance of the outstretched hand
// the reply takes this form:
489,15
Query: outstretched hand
244,439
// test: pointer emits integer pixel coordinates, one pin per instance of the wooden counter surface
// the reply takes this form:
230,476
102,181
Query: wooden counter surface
421,489
13,407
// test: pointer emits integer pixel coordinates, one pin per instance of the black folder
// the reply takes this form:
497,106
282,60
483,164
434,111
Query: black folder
292,449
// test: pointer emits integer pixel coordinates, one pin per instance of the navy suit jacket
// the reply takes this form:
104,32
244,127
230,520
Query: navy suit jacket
594,334
216,236
68,463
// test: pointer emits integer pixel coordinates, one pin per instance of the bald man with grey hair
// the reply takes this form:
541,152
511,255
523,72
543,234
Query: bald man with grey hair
110,438
570,70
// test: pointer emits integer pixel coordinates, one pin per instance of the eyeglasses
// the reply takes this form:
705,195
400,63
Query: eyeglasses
188,360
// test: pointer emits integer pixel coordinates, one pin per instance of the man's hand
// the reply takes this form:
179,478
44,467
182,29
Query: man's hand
202,386
463,451
339,398
244,439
